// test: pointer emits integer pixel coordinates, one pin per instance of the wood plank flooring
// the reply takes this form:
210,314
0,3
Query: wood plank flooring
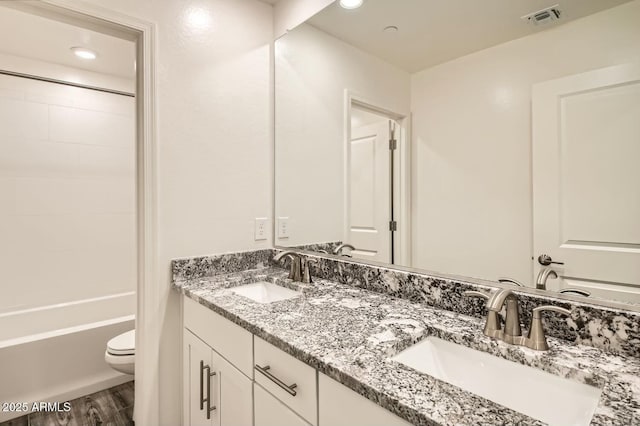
111,407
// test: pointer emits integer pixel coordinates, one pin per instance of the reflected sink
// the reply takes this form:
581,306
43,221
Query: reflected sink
265,292
536,393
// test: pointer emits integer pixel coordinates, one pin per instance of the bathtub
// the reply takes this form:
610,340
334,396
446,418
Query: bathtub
56,352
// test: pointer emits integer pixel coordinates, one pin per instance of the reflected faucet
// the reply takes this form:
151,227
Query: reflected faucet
577,291
507,280
338,250
543,275
295,273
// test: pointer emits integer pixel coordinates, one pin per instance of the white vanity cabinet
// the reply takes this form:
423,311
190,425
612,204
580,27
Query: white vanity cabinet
340,406
215,392
197,382
269,411
250,382
291,381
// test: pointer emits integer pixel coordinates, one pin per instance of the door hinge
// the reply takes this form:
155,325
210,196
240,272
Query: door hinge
393,144
393,226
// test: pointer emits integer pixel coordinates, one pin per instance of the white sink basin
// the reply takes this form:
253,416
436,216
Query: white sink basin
538,394
264,292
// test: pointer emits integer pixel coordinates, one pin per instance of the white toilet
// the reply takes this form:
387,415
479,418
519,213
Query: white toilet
121,352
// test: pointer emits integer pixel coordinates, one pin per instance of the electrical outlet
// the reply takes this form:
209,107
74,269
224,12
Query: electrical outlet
261,228
283,227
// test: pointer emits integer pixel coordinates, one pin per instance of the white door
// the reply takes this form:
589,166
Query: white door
586,180
369,192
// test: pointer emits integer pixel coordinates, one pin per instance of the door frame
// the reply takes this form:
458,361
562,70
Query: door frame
148,294
402,178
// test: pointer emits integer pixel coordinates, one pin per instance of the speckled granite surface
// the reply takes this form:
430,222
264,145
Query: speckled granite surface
350,333
610,329
614,330
206,266
327,247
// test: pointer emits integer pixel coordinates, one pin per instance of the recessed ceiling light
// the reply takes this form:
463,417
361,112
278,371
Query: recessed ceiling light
84,53
390,29
351,4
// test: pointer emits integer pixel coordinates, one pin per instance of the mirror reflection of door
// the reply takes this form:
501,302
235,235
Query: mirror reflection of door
370,182
586,181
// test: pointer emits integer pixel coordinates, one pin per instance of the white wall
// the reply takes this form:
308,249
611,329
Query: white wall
472,142
313,69
214,151
67,186
288,14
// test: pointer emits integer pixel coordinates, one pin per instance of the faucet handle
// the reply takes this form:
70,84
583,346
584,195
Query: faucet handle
306,274
493,326
295,273
474,293
507,280
537,339
577,291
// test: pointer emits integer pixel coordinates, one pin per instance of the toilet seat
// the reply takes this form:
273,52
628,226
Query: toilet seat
120,352
123,344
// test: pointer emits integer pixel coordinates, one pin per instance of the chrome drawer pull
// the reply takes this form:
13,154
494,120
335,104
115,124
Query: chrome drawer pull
289,388
210,374
202,385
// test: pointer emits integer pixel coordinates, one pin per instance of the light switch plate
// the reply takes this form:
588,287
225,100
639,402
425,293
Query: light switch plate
261,228
283,227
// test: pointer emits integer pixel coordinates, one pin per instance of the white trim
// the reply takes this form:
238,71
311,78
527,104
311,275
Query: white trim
148,315
402,244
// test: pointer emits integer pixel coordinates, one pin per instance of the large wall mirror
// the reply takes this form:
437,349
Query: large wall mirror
495,140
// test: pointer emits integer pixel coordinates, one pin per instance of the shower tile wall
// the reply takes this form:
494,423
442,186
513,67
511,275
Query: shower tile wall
66,193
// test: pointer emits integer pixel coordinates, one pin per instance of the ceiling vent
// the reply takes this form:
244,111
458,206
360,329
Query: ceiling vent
544,16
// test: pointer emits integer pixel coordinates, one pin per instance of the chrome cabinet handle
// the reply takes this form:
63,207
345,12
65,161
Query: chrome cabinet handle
202,385
546,260
210,374
288,388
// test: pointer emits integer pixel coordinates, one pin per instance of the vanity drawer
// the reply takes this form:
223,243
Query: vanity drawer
277,372
228,339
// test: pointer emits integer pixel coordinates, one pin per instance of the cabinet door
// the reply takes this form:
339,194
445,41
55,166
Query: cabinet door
196,369
271,412
340,406
231,393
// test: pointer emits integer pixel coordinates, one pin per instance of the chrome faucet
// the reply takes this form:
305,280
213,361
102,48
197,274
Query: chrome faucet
512,332
306,270
543,275
295,273
338,250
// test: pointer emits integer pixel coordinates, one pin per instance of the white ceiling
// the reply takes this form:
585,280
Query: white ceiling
435,31
35,37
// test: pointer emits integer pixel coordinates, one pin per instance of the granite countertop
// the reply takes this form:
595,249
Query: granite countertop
350,334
